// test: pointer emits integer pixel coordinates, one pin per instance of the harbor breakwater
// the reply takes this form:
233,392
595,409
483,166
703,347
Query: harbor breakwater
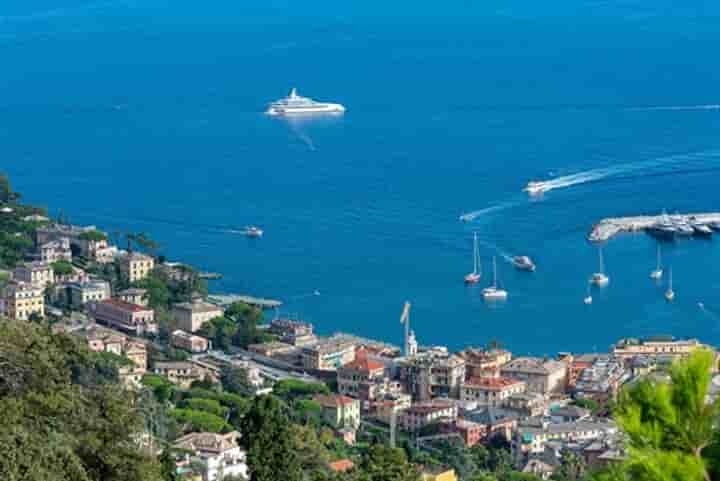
608,228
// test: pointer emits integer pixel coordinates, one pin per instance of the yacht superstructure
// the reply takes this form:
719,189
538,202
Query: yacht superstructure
294,104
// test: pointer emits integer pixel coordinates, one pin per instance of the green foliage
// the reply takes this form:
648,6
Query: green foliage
290,389
62,268
57,429
158,292
168,469
163,389
573,468
207,405
246,318
93,236
590,404
234,380
388,464
266,438
199,420
668,425
220,331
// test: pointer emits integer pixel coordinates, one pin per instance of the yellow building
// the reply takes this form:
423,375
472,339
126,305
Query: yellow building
439,474
21,300
136,266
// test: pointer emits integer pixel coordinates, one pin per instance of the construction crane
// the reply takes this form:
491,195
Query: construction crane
405,319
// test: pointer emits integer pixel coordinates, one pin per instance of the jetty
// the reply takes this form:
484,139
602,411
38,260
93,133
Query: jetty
608,228
227,299
210,275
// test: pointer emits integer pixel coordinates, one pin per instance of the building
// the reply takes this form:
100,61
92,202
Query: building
569,414
289,331
423,414
38,273
495,421
527,404
181,373
104,340
135,265
76,275
602,380
220,454
190,316
328,355
341,465
532,438
88,241
271,349
483,363
127,317
655,346
470,432
490,391
80,294
432,374
188,342
134,295
541,376
361,379
21,300
389,406
339,411
53,251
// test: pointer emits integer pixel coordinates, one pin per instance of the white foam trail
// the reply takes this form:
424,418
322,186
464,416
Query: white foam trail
58,12
708,312
301,135
676,107
470,216
504,255
602,173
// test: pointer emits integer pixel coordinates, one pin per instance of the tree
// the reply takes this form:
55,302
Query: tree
383,463
62,268
220,330
573,468
234,380
56,428
247,318
168,469
590,404
290,389
267,440
669,425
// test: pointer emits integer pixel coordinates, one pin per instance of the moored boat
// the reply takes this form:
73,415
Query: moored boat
523,263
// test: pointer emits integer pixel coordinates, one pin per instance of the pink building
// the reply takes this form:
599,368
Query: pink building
127,317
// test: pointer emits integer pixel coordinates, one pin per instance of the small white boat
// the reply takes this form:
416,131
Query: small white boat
252,231
588,299
535,187
599,278
474,276
494,293
658,272
523,263
670,294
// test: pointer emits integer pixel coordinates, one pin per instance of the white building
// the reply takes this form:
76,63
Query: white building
190,316
92,291
490,391
219,453
37,273
541,376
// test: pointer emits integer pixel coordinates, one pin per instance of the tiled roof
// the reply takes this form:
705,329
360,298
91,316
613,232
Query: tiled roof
125,305
364,364
341,465
334,401
491,383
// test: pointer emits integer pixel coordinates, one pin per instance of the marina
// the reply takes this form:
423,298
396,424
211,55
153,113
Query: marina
608,228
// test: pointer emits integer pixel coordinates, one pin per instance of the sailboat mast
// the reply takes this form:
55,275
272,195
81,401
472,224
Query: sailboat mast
658,257
602,264
494,271
475,253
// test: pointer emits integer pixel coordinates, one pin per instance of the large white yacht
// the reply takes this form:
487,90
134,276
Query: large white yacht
294,104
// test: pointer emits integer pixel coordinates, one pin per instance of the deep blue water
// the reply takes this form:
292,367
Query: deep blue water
146,115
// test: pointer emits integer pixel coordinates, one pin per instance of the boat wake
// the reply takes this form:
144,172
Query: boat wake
300,134
675,107
595,175
471,216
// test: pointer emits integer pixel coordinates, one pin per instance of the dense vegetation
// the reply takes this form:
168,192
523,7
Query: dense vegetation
64,415
16,234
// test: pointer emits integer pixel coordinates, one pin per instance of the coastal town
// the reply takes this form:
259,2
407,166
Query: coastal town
202,355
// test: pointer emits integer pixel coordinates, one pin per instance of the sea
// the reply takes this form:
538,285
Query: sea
147,116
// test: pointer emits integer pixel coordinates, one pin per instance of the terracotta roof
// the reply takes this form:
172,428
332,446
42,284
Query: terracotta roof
125,305
491,383
364,364
333,401
341,465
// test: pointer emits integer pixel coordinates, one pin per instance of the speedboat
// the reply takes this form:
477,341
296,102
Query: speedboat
252,231
535,188
524,263
670,294
658,272
715,225
588,300
599,278
294,104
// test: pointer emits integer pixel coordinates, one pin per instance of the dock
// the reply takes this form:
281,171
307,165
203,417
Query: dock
608,228
227,299
210,275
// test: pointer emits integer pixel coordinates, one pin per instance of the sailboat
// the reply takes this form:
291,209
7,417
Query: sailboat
658,272
670,294
588,299
494,292
474,276
599,278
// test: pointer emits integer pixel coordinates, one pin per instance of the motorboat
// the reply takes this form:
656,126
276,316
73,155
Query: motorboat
493,292
252,231
670,294
294,104
701,230
474,276
535,187
523,263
